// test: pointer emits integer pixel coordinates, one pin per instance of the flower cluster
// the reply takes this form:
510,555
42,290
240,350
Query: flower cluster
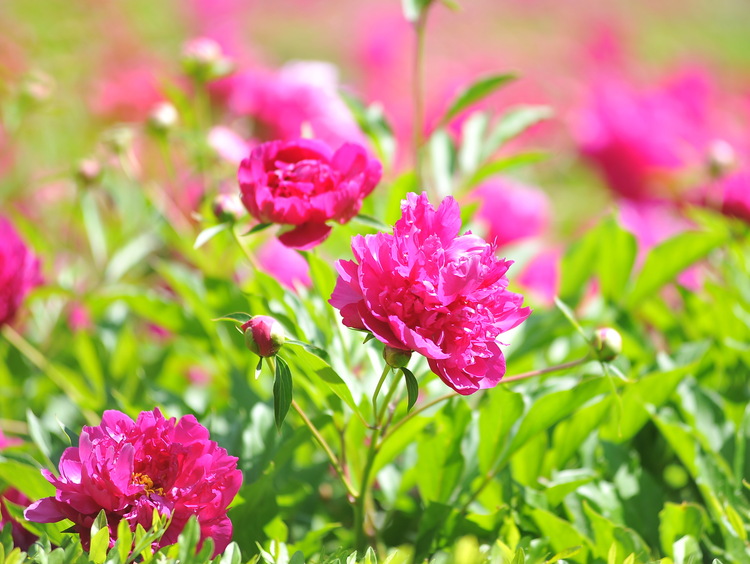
430,290
129,468
19,271
304,183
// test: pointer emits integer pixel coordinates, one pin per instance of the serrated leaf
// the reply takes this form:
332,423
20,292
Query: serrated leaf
282,391
478,90
238,317
209,233
412,388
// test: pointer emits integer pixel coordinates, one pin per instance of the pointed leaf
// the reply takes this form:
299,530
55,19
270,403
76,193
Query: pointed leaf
257,228
412,388
475,92
238,317
513,123
208,233
282,391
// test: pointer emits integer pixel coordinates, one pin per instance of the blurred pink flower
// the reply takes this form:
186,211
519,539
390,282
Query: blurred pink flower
19,271
735,193
430,290
301,93
511,211
79,318
228,145
541,276
131,468
127,93
641,140
286,265
303,183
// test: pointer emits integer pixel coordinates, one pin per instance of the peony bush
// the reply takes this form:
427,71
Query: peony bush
470,288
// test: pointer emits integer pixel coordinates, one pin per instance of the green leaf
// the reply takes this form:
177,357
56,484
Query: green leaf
442,159
413,9
130,255
676,521
99,538
124,542
478,90
507,163
282,391
564,554
317,351
94,228
617,253
412,388
512,124
667,260
257,228
372,222
238,317
208,233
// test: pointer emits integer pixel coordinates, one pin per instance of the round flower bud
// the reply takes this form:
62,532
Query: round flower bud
264,335
228,207
607,343
88,172
162,118
721,158
203,59
396,358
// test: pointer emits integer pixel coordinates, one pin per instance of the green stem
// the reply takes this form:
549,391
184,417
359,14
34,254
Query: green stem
324,444
38,359
383,376
414,413
418,95
250,257
533,373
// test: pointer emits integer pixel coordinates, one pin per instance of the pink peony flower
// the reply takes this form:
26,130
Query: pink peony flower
304,184
430,290
22,538
19,271
511,210
286,265
131,468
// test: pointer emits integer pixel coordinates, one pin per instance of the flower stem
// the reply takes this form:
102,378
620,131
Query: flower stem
533,373
250,257
414,413
418,95
38,359
383,376
323,443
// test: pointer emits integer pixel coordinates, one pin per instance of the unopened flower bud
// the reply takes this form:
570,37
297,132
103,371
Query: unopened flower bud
721,158
119,138
228,207
88,172
264,335
203,60
607,343
37,87
163,118
396,358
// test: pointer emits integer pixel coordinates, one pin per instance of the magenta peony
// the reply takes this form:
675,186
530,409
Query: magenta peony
19,271
304,184
430,290
131,468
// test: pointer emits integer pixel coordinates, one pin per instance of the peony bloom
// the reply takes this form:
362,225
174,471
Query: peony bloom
511,210
430,290
19,271
304,184
22,538
131,468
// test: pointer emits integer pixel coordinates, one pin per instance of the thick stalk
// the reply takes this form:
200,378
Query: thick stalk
533,373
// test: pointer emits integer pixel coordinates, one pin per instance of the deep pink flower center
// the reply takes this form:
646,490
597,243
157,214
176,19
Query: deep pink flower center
302,179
